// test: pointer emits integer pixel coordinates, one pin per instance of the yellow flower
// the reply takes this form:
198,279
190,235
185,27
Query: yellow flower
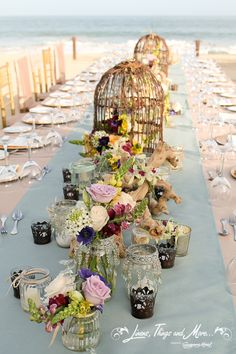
113,161
124,124
84,308
137,148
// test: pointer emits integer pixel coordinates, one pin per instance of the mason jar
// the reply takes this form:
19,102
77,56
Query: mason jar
32,284
82,173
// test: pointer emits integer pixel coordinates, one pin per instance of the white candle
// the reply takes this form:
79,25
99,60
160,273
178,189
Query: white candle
30,293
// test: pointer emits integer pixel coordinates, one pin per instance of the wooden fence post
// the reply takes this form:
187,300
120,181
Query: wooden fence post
74,41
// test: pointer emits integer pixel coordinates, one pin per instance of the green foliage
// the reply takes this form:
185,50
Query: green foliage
77,142
140,208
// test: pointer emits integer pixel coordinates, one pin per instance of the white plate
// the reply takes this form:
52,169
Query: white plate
228,94
17,129
20,142
232,108
64,103
59,94
226,102
8,173
40,110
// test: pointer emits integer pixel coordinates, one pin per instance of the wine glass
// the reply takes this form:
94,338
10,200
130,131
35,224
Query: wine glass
70,265
53,138
31,171
220,186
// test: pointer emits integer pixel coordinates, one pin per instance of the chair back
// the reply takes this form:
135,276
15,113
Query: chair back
48,69
6,94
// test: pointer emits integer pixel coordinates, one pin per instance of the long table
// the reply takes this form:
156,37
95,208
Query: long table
194,311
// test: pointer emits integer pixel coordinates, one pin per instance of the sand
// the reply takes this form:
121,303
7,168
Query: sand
226,61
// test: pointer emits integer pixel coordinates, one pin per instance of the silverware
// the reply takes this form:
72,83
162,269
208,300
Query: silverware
224,231
16,216
46,170
232,222
3,219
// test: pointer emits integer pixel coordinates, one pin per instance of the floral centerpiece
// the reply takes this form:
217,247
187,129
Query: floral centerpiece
65,306
108,151
98,225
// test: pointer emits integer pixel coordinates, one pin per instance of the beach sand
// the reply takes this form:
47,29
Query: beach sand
226,61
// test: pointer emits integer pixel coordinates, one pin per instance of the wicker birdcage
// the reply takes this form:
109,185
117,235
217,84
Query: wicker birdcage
129,100
153,51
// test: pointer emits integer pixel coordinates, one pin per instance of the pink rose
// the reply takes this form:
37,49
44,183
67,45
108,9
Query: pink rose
102,193
95,291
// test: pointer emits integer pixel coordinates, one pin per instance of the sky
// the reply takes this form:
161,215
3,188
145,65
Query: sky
118,7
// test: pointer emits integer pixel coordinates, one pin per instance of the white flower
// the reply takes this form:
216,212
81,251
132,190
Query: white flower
99,217
62,284
125,199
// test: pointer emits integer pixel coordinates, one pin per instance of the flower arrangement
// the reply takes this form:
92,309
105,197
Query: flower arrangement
170,229
118,124
63,300
94,143
106,212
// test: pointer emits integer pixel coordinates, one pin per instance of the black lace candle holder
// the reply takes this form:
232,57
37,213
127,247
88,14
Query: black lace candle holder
66,175
142,302
167,252
71,192
15,273
41,232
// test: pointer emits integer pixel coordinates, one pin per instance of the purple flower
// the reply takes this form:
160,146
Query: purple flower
95,291
85,273
103,144
86,235
100,308
104,141
102,193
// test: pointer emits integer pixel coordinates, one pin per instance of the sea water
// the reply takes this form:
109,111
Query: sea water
95,33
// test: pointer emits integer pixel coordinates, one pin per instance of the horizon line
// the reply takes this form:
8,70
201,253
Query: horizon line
115,15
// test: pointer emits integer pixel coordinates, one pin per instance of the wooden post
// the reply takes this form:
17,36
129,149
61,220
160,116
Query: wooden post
197,47
74,40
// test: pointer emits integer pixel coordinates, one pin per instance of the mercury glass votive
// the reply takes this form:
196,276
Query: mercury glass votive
183,239
140,236
141,272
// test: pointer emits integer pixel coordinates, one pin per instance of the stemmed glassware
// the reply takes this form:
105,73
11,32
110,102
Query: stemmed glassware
53,138
31,171
8,172
220,186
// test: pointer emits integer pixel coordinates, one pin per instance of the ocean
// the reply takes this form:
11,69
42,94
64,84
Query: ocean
18,32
